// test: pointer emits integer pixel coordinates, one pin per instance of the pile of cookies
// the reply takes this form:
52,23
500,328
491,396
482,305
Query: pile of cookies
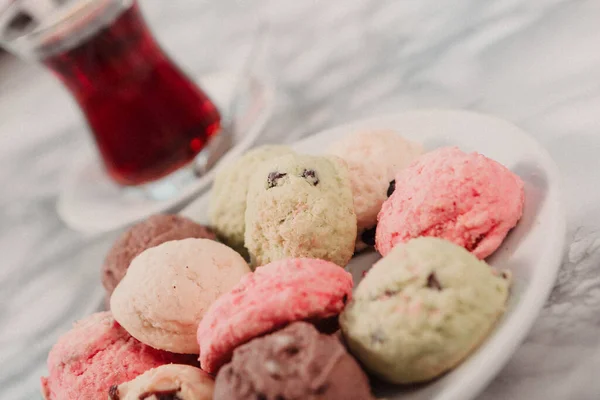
259,305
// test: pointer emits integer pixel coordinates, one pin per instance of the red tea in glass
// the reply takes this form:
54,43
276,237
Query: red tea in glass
148,119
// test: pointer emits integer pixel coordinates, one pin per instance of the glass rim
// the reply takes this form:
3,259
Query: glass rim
58,26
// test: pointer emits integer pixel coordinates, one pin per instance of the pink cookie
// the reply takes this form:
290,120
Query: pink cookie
96,354
273,296
467,199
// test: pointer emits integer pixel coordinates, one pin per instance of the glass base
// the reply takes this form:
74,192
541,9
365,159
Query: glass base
172,185
165,188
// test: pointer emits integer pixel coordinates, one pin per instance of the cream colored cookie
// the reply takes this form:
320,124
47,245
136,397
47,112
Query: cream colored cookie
300,206
172,381
374,158
168,288
422,309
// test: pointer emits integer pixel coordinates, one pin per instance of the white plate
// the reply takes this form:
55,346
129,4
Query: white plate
532,251
91,203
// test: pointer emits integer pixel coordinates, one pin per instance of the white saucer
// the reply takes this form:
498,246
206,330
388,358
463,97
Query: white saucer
91,203
532,251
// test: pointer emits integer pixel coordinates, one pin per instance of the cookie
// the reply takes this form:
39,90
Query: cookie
295,363
465,198
422,309
167,382
168,288
228,199
373,158
95,355
151,232
273,296
300,206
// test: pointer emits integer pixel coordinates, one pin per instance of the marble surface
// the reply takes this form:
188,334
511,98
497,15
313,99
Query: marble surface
533,62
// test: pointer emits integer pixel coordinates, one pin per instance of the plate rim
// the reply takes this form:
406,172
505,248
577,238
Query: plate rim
503,342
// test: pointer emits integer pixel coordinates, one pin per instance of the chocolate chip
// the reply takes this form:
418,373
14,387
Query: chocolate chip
368,236
310,176
475,242
504,275
308,172
391,188
162,395
385,295
113,393
273,178
345,299
292,350
433,283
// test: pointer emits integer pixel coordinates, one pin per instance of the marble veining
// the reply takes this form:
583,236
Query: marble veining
535,63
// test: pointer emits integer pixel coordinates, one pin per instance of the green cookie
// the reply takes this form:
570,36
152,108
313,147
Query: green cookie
422,309
300,206
228,201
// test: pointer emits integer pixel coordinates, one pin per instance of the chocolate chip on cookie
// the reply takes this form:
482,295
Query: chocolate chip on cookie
368,236
432,282
475,242
273,178
311,176
391,187
113,393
